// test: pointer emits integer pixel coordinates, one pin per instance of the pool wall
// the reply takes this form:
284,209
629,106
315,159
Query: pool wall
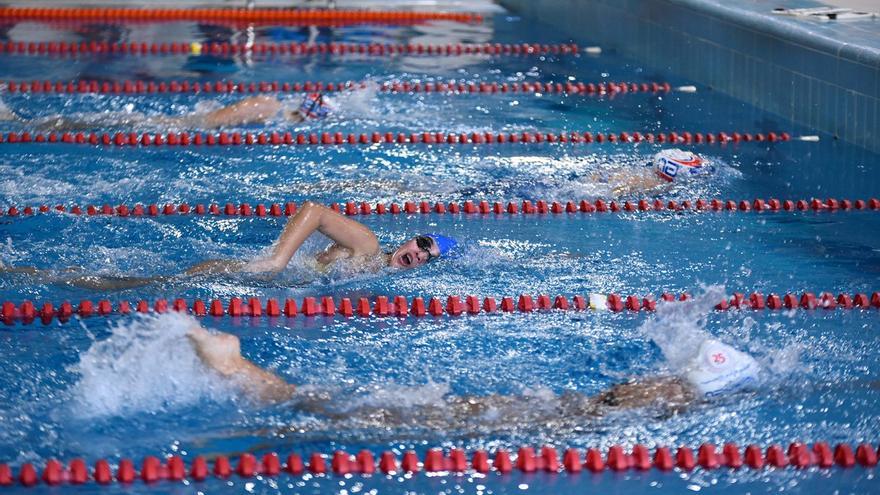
825,76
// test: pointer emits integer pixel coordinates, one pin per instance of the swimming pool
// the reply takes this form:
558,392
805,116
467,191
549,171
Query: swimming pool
94,388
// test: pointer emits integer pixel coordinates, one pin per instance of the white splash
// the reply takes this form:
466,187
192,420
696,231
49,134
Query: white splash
146,365
401,396
358,103
680,327
6,113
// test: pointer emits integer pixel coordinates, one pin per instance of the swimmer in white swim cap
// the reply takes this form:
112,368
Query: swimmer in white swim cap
716,369
259,109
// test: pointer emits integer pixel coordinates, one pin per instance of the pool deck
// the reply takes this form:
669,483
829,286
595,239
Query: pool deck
824,75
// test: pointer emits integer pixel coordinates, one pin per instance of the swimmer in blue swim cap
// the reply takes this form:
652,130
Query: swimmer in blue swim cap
352,240
353,243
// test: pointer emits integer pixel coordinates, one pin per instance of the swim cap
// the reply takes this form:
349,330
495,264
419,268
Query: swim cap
718,368
678,164
313,106
444,244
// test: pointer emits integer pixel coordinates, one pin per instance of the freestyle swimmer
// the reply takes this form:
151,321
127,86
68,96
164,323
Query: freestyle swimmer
352,241
714,369
260,109
665,168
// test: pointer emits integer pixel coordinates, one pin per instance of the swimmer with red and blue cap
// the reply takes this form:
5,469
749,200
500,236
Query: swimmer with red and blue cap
663,169
679,165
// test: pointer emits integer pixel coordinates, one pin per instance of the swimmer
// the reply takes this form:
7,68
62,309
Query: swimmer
259,109
352,241
666,167
714,369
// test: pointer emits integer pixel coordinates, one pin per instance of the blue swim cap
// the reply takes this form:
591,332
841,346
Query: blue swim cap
444,244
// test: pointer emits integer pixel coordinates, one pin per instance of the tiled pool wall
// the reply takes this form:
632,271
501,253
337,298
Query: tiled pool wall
797,69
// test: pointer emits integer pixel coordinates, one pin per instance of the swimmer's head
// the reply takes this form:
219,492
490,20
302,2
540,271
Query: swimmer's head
420,250
718,368
676,164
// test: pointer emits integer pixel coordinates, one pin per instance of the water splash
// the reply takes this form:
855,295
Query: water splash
679,328
358,103
402,397
146,365
6,113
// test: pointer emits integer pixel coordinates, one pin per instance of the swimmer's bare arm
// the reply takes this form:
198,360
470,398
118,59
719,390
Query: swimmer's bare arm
353,237
630,182
251,110
222,353
669,392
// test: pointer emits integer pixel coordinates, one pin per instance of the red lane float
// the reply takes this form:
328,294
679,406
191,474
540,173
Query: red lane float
526,459
258,15
397,87
73,49
400,306
184,139
547,209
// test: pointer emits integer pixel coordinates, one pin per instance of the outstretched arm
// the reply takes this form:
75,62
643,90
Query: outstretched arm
222,353
348,234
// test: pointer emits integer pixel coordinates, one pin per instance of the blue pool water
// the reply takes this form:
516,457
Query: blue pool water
118,387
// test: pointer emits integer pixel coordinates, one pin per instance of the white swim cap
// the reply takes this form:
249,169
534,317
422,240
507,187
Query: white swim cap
678,164
718,368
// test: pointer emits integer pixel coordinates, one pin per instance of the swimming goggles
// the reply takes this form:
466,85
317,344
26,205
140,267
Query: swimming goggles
425,244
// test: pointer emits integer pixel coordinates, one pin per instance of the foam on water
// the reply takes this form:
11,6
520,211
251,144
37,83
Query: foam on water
5,112
357,103
146,365
679,328
402,396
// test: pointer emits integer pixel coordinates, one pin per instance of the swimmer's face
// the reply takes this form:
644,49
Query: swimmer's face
293,116
414,252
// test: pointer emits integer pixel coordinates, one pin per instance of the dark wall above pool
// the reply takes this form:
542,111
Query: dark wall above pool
824,75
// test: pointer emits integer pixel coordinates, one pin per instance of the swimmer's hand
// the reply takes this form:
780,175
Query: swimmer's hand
222,353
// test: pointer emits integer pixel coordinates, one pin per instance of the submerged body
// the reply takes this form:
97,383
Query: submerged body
260,109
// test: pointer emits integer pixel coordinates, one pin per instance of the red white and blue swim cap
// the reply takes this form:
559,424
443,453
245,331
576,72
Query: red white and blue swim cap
313,106
678,164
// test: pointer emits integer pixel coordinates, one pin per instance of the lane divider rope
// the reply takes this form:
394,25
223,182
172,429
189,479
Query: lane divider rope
526,460
64,48
469,207
376,137
448,88
226,15
400,306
